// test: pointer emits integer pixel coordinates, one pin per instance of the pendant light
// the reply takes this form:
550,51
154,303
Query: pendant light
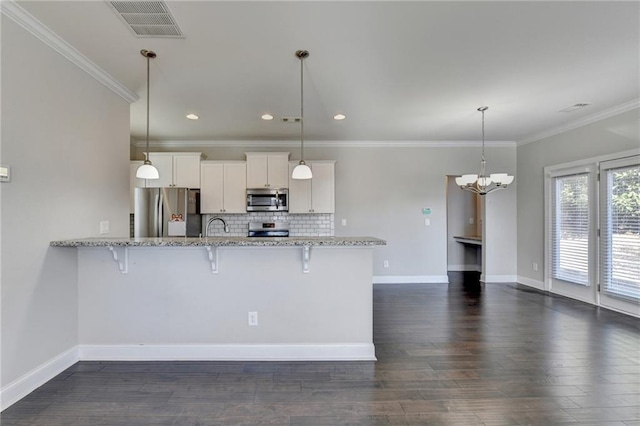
482,184
147,170
302,171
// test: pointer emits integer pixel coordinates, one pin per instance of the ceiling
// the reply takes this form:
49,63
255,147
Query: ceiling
399,71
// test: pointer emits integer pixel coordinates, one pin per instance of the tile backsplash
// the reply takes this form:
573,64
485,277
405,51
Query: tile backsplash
300,225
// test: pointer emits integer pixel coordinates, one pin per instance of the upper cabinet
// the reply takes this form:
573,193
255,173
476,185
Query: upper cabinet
316,195
224,187
267,170
179,169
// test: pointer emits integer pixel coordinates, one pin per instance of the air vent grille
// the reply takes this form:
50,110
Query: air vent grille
147,18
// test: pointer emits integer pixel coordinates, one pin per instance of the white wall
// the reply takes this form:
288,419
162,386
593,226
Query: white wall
66,138
382,191
170,298
608,136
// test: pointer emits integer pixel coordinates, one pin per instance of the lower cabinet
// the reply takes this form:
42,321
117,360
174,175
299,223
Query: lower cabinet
315,195
223,187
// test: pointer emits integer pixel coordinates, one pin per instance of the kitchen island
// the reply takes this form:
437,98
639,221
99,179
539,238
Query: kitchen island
306,298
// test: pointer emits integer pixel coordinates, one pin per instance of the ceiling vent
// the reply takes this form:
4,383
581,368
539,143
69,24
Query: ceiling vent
575,107
147,18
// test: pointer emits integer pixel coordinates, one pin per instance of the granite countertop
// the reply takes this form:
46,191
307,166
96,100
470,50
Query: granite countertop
220,242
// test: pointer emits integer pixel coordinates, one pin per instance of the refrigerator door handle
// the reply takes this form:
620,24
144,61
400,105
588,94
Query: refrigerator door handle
158,218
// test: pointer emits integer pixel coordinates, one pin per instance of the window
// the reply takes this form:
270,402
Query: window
570,233
620,229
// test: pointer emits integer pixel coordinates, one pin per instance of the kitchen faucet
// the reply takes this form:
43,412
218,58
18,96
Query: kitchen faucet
226,227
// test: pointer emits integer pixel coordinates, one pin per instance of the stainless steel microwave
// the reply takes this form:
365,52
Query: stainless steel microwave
267,200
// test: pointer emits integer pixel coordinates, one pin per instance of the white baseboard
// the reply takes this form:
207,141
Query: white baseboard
31,381
249,352
464,268
500,279
531,282
410,279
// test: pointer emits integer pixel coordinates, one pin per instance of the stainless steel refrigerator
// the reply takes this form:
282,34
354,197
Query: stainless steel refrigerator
167,212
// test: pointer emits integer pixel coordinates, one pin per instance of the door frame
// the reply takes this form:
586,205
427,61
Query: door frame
593,166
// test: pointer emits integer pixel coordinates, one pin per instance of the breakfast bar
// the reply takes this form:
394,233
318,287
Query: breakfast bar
225,298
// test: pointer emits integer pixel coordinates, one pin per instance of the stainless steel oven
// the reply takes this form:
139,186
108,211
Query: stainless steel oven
261,200
268,229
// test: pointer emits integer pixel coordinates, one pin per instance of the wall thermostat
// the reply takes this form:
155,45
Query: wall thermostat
5,174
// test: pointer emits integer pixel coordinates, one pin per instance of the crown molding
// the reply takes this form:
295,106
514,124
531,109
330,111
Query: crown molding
27,21
323,144
610,112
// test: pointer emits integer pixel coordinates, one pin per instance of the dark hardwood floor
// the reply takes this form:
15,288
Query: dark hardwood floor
461,354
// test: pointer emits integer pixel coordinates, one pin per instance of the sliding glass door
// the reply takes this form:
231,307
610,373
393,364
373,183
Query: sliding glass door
619,257
572,200
592,226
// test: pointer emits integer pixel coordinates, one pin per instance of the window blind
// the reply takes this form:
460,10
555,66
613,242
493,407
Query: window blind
620,232
570,232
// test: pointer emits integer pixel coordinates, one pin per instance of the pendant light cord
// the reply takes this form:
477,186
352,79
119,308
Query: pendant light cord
302,109
483,135
483,162
147,108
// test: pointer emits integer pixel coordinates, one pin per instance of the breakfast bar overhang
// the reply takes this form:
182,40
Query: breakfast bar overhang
194,298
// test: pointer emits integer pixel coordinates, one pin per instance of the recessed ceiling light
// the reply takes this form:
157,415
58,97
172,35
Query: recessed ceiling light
192,117
339,117
267,117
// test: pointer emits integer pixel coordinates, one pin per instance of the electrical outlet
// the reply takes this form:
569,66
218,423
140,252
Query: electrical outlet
471,221
253,318
385,263
104,227
534,266
344,222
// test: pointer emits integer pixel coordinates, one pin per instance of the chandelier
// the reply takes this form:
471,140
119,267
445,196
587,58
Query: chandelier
481,183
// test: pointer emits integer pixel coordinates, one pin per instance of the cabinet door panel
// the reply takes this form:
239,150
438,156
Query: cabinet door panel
212,190
256,171
164,164
278,171
323,188
235,188
299,193
186,171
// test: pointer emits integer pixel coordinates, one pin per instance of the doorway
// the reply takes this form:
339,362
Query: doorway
464,229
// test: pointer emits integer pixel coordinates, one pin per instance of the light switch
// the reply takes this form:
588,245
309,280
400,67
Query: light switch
427,221
104,227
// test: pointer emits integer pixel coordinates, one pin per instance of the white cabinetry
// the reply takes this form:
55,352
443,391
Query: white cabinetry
267,170
224,187
179,169
316,195
134,182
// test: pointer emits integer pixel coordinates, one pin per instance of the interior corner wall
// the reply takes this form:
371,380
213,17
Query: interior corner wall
608,136
66,138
